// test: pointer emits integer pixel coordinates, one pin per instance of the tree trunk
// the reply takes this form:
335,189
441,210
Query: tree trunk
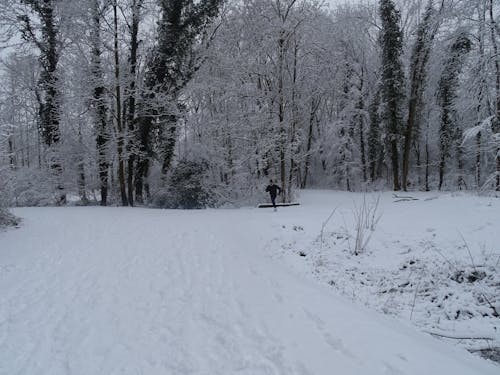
312,116
478,160
12,159
118,114
82,189
361,109
496,58
131,148
49,104
395,164
293,136
460,163
99,103
420,57
427,161
139,179
374,147
281,116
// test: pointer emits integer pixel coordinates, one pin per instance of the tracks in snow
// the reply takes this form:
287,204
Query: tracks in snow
131,291
118,299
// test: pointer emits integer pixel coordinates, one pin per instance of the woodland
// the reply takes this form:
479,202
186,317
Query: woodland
191,104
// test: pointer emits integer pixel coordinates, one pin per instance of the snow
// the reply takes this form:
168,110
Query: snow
94,290
433,259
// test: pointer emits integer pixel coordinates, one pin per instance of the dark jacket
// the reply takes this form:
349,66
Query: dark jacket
273,189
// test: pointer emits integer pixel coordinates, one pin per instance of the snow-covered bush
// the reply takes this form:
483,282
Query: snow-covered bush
6,218
491,148
5,187
187,188
32,187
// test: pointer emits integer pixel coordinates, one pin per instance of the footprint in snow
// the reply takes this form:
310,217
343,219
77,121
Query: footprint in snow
391,370
338,345
320,324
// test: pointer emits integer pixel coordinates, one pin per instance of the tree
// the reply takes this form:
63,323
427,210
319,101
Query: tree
171,65
496,58
262,89
375,147
131,96
392,81
448,131
426,32
118,108
99,100
49,48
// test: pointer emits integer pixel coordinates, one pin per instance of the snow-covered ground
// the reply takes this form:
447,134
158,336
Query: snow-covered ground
136,291
432,259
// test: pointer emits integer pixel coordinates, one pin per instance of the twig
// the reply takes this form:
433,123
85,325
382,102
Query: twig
432,247
347,233
468,250
495,312
402,197
459,337
325,223
414,300
375,219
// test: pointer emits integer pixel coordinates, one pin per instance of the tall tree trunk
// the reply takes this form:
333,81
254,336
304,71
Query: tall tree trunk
118,114
99,103
361,123
447,89
483,88
81,183
281,115
419,59
374,146
395,164
496,58
391,41
478,160
292,173
312,116
427,153
131,147
12,158
460,162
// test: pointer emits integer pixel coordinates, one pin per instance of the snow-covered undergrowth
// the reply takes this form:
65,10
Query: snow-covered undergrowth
432,259
7,219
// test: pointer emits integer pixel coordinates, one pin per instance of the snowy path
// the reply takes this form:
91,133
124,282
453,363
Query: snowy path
135,291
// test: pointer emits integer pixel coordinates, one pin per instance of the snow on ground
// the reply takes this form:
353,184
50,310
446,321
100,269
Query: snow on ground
135,291
432,259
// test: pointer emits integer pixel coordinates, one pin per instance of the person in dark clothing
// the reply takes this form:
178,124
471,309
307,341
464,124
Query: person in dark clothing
273,191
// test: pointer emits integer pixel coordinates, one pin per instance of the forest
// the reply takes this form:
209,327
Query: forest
191,104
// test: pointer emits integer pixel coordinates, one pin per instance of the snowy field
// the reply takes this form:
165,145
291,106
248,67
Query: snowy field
250,291
430,258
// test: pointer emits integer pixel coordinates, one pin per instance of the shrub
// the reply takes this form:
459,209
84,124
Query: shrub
32,187
188,187
6,218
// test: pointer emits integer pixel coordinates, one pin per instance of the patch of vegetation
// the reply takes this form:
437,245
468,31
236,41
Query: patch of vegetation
7,219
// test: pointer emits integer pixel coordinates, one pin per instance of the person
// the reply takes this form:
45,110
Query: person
273,190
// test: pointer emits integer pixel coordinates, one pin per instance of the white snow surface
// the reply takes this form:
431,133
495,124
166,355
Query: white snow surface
91,290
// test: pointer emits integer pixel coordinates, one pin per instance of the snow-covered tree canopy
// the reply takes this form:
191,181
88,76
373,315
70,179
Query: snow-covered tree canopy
99,102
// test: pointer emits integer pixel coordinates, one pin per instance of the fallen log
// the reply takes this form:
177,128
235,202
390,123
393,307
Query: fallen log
267,205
